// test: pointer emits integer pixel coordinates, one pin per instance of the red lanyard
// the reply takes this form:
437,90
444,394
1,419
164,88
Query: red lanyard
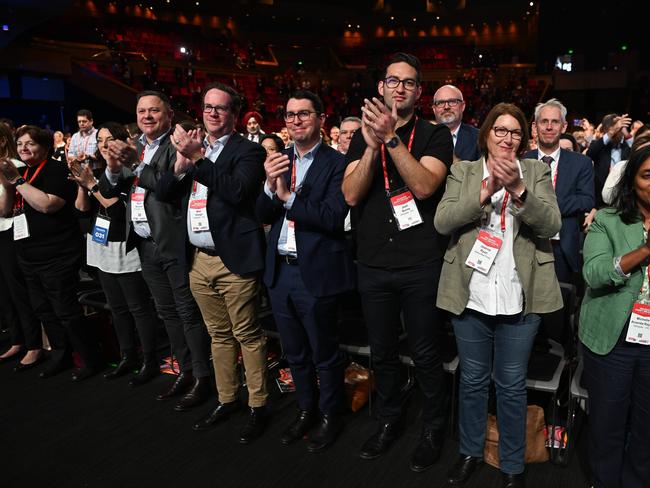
18,199
504,206
293,173
383,156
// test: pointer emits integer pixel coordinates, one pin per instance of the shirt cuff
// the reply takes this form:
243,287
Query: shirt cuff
605,139
617,268
267,190
289,203
112,177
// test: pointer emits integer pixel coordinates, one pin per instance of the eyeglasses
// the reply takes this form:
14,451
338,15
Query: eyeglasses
220,109
451,102
303,115
408,84
503,132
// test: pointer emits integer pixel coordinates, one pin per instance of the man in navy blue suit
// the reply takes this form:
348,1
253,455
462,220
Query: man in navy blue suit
308,267
448,107
572,175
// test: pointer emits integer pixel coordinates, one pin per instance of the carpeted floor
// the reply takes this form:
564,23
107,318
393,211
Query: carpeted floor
55,433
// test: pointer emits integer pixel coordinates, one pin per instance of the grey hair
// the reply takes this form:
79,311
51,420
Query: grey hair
553,102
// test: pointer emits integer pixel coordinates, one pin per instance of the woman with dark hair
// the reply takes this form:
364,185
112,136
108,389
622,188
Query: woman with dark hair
568,142
641,138
24,327
271,143
118,265
49,247
615,331
498,276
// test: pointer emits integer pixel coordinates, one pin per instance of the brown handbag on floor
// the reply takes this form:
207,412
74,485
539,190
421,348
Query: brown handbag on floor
536,451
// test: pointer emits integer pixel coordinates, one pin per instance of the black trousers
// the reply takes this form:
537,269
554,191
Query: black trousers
52,286
619,415
308,331
24,326
385,294
129,298
168,281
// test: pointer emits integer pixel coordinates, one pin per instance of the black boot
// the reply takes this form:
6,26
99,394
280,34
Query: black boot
184,382
199,392
257,417
126,365
148,371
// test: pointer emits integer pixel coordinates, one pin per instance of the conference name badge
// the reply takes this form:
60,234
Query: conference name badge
404,209
138,213
199,215
21,229
100,230
484,251
291,236
638,331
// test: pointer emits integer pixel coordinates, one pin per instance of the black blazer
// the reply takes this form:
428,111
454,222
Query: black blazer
319,211
466,148
165,218
601,154
574,190
234,180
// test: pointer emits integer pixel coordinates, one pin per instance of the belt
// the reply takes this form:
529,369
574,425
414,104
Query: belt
285,258
209,252
555,242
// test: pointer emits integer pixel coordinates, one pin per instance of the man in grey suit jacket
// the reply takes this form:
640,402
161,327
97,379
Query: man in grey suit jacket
448,106
157,230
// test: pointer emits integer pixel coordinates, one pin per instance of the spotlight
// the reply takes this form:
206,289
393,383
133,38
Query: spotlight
183,50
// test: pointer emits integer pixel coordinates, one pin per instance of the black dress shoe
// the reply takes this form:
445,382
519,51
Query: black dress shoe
221,412
125,366
329,428
257,417
463,470
513,480
381,440
427,451
299,427
148,371
199,393
56,367
84,373
183,382
20,367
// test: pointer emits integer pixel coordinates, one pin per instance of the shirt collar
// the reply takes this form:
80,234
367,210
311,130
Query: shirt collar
309,154
156,142
88,133
486,173
555,154
221,141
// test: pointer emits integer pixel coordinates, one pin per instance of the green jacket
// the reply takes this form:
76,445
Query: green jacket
459,214
609,297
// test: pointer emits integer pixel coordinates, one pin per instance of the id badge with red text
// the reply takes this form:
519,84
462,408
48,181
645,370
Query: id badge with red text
484,251
638,332
138,213
404,208
21,229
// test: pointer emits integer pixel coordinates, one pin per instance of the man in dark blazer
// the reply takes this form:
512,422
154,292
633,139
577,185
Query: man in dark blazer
572,175
218,179
448,107
610,149
156,229
308,267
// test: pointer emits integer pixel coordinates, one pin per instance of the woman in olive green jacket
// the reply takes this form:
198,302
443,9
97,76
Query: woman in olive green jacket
495,293
615,330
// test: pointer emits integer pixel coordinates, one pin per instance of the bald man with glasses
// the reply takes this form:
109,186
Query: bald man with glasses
448,107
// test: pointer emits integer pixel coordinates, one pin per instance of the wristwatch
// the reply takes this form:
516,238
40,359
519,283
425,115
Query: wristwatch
522,196
95,188
393,142
20,181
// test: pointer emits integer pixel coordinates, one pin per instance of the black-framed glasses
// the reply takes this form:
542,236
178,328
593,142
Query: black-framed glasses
220,109
452,102
503,132
393,82
302,115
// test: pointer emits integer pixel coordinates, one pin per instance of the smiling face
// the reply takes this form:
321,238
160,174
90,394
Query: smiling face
270,146
642,184
221,119
504,146
445,113
549,127
30,152
401,97
305,133
153,117
104,136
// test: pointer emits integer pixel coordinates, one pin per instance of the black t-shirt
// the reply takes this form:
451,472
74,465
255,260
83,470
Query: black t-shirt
379,242
54,234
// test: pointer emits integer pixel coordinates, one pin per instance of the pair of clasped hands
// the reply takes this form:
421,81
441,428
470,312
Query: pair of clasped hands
504,173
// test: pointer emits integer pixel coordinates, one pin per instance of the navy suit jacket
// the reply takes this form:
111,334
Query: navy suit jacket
234,180
574,190
601,154
466,148
318,211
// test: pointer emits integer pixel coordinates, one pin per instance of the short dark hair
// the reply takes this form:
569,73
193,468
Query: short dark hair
572,139
278,142
40,136
625,190
409,59
311,96
85,113
497,111
235,97
608,121
155,93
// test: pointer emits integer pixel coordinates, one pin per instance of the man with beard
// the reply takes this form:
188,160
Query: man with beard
572,175
253,122
448,107
397,165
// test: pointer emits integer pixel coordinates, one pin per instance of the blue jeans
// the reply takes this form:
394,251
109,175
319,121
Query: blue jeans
501,344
